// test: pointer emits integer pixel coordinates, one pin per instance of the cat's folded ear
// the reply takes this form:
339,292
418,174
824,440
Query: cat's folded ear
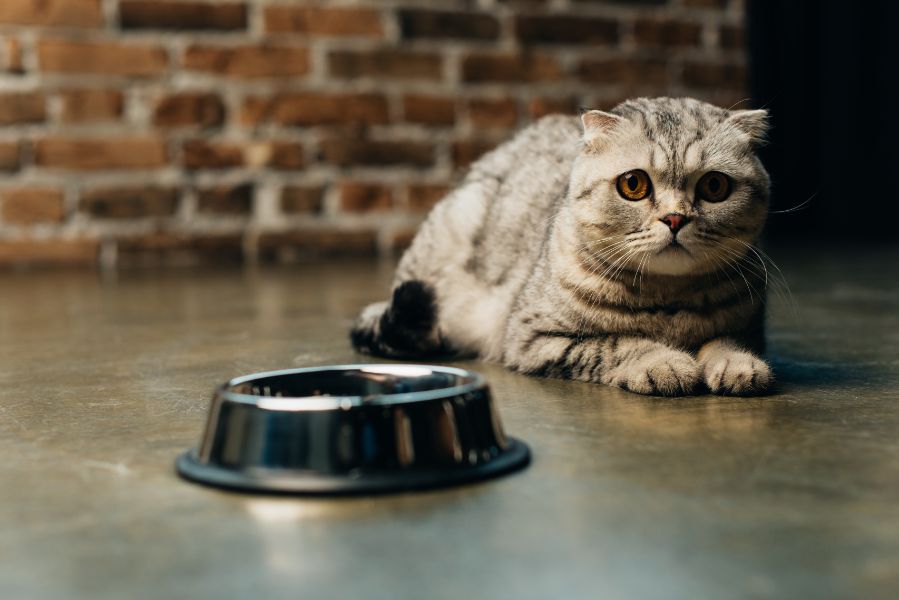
598,127
752,123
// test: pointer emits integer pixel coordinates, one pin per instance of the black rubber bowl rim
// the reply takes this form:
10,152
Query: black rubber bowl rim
282,481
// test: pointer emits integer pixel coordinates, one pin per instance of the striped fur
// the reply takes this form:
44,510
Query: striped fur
537,261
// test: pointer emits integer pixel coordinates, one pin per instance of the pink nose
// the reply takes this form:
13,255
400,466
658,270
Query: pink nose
674,221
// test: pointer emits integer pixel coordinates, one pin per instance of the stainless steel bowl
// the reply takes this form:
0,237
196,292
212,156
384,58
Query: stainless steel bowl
352,429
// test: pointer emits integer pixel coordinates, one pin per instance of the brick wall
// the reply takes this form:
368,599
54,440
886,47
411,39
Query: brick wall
143,131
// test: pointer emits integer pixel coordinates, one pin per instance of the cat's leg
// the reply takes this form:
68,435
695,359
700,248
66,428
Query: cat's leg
632,363
729,369
403,327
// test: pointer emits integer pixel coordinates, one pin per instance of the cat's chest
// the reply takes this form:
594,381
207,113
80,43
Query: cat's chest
683,320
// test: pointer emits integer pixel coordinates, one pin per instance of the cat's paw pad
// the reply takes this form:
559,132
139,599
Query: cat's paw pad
737,374
660,373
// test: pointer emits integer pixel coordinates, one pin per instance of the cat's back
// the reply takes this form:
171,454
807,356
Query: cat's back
547,146
494,222
531,174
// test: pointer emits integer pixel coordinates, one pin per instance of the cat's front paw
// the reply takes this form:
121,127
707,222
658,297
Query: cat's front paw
736,373
662,372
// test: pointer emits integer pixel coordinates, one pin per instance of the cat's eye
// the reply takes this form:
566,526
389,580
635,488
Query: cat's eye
713,187
634,185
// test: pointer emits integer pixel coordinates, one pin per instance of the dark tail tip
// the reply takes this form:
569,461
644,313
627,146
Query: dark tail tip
407,326
412,308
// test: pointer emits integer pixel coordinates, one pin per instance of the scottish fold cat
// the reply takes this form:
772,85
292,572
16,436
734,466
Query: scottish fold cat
616,248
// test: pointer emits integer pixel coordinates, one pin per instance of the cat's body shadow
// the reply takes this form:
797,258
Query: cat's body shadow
792,371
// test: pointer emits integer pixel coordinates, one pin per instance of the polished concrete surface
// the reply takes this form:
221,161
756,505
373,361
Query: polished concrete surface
106,378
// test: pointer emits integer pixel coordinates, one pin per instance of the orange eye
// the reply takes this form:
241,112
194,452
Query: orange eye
713,187
634,185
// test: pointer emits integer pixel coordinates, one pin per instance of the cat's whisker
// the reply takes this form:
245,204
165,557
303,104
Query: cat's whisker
590,243
733,263
796,208
623,255
720,265
603,256
623,265
639,272
738,102
779,282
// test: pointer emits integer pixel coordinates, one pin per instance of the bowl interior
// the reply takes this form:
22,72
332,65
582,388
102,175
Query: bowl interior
366,382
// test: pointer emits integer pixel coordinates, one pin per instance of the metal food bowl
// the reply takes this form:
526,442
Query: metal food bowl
352,429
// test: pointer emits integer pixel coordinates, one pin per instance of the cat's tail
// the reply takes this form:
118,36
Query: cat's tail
404,327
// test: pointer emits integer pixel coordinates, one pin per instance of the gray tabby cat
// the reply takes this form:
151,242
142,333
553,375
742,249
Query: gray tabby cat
609,253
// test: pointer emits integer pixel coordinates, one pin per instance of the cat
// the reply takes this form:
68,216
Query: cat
616,248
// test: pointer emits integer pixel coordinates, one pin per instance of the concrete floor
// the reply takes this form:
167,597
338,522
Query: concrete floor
106,379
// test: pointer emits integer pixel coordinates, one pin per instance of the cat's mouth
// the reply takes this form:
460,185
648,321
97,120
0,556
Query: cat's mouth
672,259
674,246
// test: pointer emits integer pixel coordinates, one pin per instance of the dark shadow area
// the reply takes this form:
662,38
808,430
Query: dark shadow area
827,72
802,371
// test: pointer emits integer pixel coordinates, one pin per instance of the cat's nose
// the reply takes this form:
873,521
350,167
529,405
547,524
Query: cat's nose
674,221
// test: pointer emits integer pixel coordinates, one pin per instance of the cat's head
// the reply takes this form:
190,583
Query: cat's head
670,185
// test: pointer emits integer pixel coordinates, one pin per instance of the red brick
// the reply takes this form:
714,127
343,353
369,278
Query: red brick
89,106
435,24
102,58
181,249
156,14
429,110
218,154
387,64
9,156
540,107
632,72
302,199
51,13
226,200
667,33
324,21
715,4
203,154
732,37
100,153
129,202
11,55
423,196
488,112
480,67
316,109
249,62
22,107
627,3
49,252
364,197
25,206
286,156
564,29
189,109
466,152
317,242
715,75
346,151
